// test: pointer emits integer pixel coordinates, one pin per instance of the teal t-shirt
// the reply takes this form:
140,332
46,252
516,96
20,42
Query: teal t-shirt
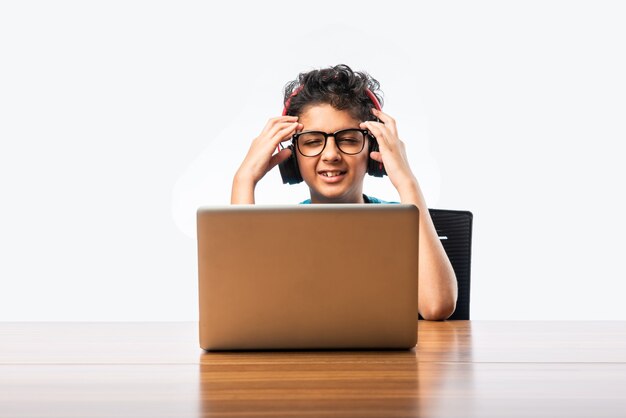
366,199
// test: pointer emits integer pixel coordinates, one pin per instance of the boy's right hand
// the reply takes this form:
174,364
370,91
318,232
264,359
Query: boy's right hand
259,159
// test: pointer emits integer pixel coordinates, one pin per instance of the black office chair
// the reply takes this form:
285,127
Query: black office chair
454,228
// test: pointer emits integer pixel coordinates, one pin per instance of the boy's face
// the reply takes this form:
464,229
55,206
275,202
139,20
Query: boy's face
347,187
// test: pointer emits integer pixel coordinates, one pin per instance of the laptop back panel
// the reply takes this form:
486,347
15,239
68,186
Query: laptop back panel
341,276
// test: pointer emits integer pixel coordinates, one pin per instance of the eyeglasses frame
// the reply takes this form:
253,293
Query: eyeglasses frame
334,135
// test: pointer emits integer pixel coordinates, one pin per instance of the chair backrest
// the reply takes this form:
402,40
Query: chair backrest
454,228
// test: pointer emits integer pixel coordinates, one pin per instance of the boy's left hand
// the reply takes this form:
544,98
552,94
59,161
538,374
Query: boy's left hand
392,151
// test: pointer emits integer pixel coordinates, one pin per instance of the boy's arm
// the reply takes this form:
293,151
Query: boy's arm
437,289
261,158
242,191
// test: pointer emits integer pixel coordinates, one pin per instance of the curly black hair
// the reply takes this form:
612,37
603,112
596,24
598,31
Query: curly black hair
338,86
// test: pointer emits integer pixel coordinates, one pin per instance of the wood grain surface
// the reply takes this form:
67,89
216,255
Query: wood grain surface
459,368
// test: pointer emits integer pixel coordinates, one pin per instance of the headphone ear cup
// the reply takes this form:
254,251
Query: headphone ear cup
289,170
374,168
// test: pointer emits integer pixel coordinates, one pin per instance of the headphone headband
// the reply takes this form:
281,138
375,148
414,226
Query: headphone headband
296,91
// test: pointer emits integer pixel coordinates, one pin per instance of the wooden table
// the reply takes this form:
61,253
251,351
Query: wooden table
458,369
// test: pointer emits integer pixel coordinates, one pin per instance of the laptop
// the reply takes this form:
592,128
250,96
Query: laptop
293,277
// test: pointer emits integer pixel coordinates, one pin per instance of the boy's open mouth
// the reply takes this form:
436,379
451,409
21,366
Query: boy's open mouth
332,176
334,173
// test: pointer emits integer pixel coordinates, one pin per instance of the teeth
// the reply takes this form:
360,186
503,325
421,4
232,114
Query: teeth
329,174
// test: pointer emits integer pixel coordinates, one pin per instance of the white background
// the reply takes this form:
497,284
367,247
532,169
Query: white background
118,119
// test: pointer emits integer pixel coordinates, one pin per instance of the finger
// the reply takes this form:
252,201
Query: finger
383,116
281,132
379,133
387,120
387,141
271,129
284,135
280,119
376,156
287,131
278,158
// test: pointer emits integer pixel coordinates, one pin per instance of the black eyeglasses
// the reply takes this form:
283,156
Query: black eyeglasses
349,141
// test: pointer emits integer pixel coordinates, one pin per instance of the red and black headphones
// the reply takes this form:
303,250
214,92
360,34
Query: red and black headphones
289,170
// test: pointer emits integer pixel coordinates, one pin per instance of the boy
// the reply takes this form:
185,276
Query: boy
339,133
